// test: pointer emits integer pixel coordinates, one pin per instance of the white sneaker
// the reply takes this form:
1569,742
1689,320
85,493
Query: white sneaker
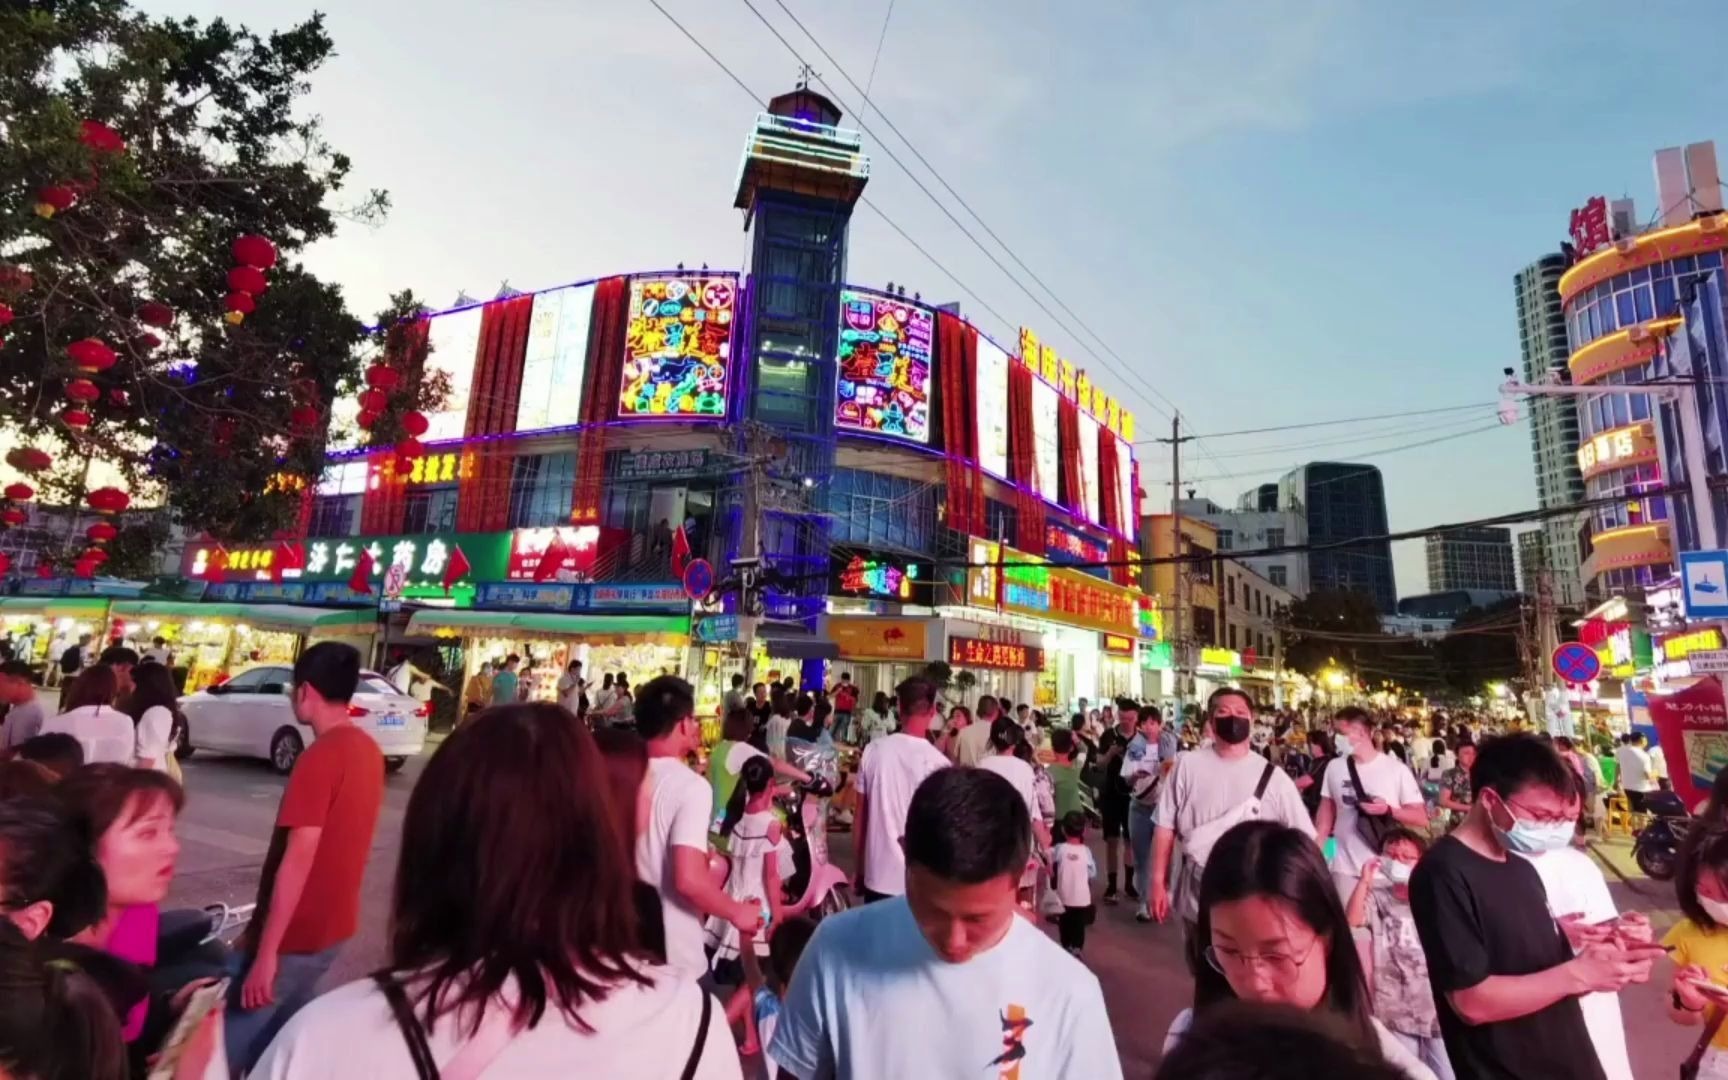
1144,914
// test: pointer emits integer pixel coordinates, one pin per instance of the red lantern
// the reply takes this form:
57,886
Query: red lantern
20,492
5,562
91,355
409,449
415,423
76,419
44,570
146,341
383,377
84,569
304,418
100,137
366,419
151,313
5,315
28,459
373,401
239,306
247,279
108,500
118,397
53,199
96,556
254,250
82,390
101,533
13,516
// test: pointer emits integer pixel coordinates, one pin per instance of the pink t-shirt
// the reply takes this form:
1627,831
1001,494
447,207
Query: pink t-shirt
133,939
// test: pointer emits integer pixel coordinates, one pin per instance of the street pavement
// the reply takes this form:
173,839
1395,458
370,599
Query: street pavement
231,804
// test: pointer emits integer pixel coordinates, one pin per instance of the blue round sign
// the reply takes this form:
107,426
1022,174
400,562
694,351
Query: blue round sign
1576,662
698,579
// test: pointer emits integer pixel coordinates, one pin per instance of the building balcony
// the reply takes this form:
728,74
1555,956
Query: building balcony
1630,546
1632,347
1709,233
1619,448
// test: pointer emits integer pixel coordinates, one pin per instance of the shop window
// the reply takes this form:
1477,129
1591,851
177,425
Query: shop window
875,509
542,487
430,509
334,515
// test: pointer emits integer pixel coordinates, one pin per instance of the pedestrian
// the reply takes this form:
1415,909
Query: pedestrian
1073,871
129,815
623,700
506,684
1455,789
672,850
1068,789
1699,944
1506,974
1209,790
159,652
880,721
59,753
733,699
309,889
1242,1040
779,723
515,949
1398,974
759,706
810,722
1114,797
959,719
1274,932
768,983
1143,770
889,771
626,758
154,704
760,857
477,692
55,1019
1366,794
50,879
24,717
876,991
105,733
1636,770
972,744
572,691
845,705
121,660
76,657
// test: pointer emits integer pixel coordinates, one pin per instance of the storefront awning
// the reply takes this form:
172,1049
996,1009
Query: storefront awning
597,629
70,607
311,620
177,609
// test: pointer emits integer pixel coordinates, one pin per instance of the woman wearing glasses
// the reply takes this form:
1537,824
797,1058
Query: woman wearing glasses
1275,932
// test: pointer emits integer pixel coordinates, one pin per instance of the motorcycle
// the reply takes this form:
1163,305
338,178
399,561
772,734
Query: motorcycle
1656,848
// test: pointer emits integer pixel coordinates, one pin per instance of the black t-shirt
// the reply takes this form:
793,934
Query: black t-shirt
808,731
1114,786
759,711
1477,918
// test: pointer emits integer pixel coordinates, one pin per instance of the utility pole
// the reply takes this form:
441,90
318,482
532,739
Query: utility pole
1179,638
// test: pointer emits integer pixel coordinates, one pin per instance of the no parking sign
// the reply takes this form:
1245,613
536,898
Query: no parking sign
1576,662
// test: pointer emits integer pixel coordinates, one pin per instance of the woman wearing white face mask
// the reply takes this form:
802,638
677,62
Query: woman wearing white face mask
1699,945
1398,975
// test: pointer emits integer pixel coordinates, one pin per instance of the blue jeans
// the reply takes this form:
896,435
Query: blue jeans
1430,1051
248,1031
1140,841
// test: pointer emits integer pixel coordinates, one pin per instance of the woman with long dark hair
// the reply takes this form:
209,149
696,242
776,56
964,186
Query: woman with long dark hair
1273,930
516,948
153,705
105,733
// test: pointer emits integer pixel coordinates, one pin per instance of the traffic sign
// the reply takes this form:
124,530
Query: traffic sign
1704,584
1709,662
698,579
1576,662
717,629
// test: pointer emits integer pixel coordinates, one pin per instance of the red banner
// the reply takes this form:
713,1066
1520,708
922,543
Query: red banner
1692,732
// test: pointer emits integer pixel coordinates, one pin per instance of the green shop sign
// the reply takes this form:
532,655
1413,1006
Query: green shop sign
426,557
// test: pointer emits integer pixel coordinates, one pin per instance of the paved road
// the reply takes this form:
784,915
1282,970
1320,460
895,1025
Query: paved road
231,804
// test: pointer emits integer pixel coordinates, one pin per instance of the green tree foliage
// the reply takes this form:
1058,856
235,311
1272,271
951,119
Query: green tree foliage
1332,626
215,149
1481,648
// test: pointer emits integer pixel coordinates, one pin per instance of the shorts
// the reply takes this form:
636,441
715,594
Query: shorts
1115,811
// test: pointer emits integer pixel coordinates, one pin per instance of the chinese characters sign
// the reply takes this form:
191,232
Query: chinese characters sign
1589,226
884,378
240,560
441,468
677,347
1617,449
660,464
1075,385
1010,580
879,577
999,655
876,638
1067,545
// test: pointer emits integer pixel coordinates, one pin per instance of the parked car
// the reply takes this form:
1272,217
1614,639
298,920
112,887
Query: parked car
251,715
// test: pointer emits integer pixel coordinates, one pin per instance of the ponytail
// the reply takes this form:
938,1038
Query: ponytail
56,1021
753,779
47,858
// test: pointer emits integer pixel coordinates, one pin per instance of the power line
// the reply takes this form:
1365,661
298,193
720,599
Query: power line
1375,454
1333,423
1357,438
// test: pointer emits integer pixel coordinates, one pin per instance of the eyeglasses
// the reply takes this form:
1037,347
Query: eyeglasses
1546,817
1279,965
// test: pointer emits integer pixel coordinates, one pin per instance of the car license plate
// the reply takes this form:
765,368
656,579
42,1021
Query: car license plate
392,720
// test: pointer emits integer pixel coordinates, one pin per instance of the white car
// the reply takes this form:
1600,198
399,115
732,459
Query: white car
251,715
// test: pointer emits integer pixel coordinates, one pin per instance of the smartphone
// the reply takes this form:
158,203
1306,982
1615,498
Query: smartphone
204,999
1713,991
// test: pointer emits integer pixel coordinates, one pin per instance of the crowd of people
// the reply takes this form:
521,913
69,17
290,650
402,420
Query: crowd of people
588,896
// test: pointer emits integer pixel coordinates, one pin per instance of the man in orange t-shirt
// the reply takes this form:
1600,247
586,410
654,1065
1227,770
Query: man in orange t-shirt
309,893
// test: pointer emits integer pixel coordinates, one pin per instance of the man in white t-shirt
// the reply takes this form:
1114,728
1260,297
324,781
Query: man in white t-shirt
672,852
889,772
1637,770
947,980
1393,796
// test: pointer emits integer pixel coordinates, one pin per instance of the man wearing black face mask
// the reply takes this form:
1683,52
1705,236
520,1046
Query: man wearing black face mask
1210,790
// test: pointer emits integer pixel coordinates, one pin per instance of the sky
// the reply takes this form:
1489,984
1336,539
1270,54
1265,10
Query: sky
1266,212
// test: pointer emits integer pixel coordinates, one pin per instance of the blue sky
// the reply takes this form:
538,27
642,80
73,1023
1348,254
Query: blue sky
1274,211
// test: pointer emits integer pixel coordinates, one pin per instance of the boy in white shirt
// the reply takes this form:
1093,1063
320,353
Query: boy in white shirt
889,772
1074,869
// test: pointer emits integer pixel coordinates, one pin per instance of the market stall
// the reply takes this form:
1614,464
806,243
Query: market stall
42,628
212,642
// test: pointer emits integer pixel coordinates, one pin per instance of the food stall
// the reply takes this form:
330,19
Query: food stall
212,642
42,627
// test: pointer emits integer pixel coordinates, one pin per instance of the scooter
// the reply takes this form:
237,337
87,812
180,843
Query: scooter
1656,848
815,886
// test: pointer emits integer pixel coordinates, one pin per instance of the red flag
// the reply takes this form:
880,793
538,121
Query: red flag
361,580
552,559
455,569
680,551
215,565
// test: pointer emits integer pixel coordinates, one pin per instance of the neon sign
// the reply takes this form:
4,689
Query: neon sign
1000,655
1074,384
864,575
1589,226
677,346
884,361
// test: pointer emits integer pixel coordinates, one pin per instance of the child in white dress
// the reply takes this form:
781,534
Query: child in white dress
759,853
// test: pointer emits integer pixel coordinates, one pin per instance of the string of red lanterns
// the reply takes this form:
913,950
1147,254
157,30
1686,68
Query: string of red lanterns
253,254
